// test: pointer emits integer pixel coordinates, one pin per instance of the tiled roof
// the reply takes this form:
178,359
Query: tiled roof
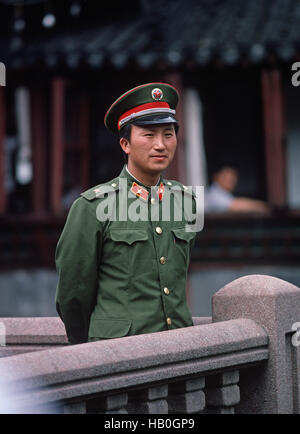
198,31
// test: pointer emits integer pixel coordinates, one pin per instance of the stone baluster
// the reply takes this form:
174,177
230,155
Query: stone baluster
187,396
149,401
112,404
222,392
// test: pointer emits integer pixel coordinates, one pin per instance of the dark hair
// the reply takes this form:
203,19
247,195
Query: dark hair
125,133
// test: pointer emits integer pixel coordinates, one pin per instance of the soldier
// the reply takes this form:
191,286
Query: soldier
122,267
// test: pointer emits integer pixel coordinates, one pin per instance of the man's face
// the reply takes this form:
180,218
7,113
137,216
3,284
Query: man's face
151,148
227,178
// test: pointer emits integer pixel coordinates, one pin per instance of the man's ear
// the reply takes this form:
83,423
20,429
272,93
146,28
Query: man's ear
125,145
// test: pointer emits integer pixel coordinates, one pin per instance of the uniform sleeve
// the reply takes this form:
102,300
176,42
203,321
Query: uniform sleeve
77,257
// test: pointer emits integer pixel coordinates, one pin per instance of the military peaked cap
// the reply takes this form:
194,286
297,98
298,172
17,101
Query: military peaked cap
150,103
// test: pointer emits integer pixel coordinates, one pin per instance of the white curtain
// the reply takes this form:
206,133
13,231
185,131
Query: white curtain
194,143
22,107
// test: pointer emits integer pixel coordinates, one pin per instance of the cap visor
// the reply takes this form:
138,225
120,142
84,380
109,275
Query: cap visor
155,119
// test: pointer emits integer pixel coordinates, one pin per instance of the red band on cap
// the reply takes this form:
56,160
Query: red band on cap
143,107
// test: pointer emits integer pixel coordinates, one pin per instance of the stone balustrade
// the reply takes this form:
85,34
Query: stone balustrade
244,359
24,335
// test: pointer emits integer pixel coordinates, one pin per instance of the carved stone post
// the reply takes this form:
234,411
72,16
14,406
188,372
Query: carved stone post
274,304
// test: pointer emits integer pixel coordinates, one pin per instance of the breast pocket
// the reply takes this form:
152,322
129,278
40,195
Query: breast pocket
181,247
128,245
128,236
136,247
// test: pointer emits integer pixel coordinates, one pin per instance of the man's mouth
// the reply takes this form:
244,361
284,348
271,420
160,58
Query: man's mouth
159,157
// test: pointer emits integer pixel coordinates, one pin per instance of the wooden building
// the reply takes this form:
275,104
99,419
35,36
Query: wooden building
235,56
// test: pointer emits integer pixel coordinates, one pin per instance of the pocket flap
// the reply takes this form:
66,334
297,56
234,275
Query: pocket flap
109,328
182,234
128,236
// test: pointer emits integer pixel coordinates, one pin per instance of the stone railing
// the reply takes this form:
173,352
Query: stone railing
245,360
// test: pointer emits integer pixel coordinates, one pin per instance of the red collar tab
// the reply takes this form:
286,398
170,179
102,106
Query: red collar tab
139,191
161,190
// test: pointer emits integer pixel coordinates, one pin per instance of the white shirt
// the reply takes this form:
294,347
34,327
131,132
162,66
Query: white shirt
217,199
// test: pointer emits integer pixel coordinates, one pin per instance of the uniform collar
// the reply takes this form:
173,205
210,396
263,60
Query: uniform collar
138,188
126,174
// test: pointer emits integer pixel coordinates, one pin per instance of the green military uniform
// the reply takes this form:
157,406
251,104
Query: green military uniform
120,276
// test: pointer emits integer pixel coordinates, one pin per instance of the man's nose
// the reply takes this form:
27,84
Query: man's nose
159,142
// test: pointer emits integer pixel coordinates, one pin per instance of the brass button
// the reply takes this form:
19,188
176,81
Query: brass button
166,291
169,321
169,183
113,184
162,260
152,200
158,230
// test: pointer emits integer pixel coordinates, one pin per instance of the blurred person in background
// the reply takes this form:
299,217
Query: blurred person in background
219,196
